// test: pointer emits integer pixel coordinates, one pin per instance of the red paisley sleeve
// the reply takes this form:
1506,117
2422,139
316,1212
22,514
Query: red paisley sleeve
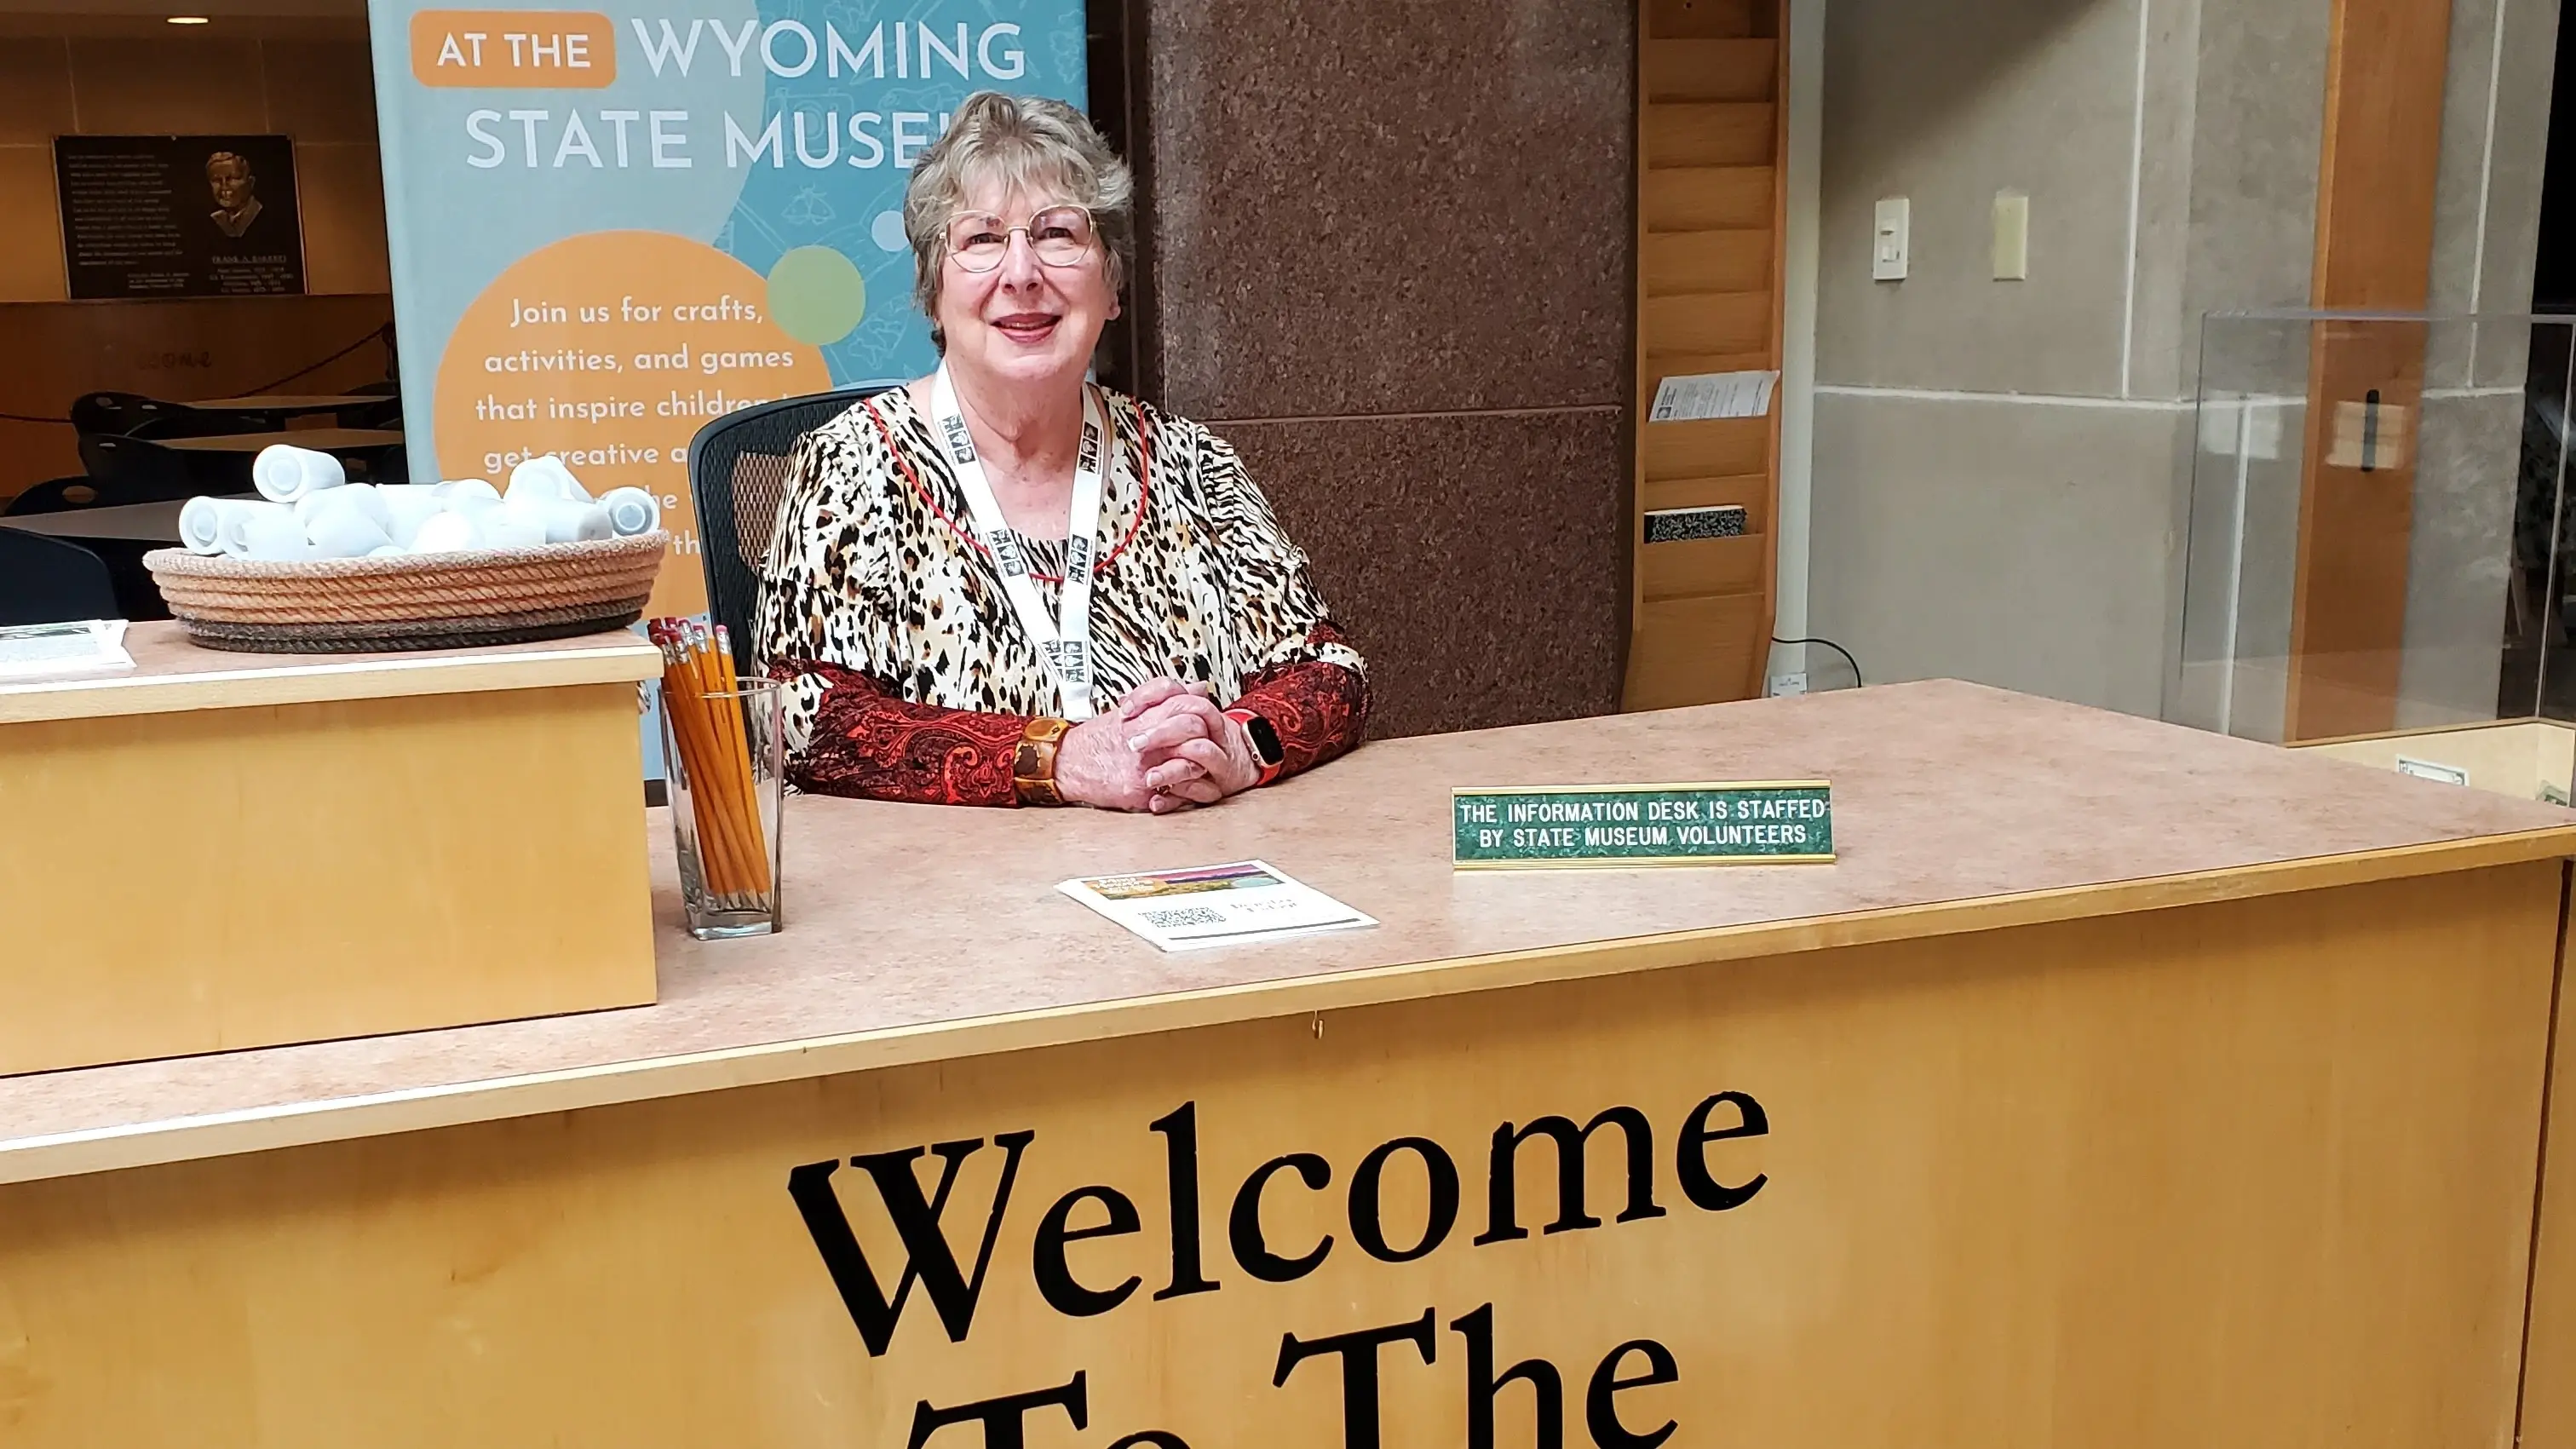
870,744
1320,710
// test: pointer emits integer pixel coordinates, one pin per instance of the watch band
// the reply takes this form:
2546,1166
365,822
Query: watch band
1033,763
1265,751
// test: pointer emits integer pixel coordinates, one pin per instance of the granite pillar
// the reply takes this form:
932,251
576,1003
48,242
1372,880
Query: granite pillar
1391,256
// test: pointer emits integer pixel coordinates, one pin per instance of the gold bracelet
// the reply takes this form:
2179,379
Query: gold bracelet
1033,763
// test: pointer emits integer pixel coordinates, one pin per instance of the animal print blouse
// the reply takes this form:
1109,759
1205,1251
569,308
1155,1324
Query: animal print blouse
910,677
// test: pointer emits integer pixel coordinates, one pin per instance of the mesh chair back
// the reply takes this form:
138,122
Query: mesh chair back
47,581
139,470
60,495
127,414
738,474
116,412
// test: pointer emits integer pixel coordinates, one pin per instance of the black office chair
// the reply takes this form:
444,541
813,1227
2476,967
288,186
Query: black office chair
140,470
47,581
138,593
738,473
60,495
127,414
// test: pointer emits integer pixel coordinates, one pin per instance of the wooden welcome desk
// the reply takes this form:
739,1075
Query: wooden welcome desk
2120,1086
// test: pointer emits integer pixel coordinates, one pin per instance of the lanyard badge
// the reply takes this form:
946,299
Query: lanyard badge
1065,640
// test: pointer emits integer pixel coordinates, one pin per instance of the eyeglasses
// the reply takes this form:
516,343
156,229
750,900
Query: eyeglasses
1060,235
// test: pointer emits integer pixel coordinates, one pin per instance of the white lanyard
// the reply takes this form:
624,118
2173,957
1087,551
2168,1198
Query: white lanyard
1066,643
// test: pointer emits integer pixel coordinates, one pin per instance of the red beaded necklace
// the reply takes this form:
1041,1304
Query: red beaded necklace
1144,485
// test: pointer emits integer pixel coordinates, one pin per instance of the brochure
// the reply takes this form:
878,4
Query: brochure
50,651
1681,399
1214,905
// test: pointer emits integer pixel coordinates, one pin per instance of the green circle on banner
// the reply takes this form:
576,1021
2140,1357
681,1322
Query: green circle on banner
816,295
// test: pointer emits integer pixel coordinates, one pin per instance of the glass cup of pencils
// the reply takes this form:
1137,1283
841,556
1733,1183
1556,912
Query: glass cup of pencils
724,754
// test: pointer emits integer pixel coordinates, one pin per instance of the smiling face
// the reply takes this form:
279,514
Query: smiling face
1027,321
231,182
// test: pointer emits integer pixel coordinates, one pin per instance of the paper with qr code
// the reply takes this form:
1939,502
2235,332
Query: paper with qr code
1214,905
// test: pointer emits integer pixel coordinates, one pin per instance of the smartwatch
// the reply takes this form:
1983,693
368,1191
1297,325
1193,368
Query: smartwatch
1266,749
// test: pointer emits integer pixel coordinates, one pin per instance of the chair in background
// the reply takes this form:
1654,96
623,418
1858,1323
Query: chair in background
47,581
127,414
140,470
61,495
738,474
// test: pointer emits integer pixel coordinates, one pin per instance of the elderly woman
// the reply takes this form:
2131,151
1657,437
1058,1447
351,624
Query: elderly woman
1001,585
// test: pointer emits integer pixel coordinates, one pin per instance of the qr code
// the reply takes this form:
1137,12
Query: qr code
1185,916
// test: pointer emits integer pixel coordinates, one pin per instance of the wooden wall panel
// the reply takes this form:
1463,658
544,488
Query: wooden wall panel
2382,151
52,352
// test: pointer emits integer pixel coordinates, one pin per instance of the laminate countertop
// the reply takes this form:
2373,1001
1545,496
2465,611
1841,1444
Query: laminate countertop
170,675
918,933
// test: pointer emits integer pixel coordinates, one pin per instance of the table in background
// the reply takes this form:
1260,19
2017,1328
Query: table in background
320,440
2120,1086
156,524
222,462
271,411
291,404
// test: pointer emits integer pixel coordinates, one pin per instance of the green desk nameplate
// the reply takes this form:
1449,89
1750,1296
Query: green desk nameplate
1537,827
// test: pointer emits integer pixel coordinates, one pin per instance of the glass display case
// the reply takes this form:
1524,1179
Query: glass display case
2379,541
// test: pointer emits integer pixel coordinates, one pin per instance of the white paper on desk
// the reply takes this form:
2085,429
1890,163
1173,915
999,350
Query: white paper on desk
51,651
1713,395
1236,904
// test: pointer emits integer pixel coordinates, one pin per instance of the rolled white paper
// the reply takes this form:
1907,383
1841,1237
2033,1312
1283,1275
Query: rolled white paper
503,528
359,497
202,521
367,499
275,538
631,511
391,550
447,533
562,519
407,506
538,478
345,533
546,477
236,515
283,474
456,488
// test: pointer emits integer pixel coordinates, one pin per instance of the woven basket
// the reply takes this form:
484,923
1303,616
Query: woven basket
422,602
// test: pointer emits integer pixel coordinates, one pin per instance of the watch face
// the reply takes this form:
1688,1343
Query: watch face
1265,740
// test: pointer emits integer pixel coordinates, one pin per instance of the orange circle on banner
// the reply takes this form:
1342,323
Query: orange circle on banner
613,348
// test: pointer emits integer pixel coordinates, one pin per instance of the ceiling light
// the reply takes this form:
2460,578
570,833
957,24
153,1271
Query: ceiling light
187,20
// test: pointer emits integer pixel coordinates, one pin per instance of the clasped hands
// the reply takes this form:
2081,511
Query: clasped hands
1165,747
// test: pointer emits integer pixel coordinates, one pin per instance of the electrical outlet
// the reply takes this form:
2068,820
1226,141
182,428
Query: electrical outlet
1784,685
1892,245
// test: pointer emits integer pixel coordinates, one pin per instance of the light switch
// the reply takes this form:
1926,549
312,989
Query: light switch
1893,246
2012,236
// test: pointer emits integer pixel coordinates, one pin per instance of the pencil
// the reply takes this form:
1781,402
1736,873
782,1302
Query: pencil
747,775
713,771
721,853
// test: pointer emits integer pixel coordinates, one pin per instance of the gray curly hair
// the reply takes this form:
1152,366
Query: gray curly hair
1033,145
